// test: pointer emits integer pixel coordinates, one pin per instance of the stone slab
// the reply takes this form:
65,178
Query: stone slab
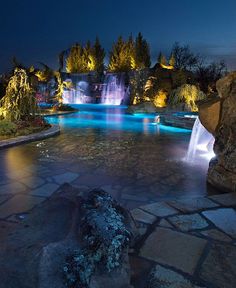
165,223
159,209
46,190
188,222
165,278
223,218
173,248
19,204
66,177
14,187
33,181
193,204
228,199
219,268
142,216
216,235
3,198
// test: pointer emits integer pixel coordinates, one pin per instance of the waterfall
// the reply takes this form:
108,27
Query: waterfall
201,143
114,91
79,93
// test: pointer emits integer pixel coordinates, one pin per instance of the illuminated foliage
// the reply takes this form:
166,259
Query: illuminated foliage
163,62
172,60
121,56
85,59
75,61
162,59
60,88
150,88
19,101
160,98
129,55
187,94
137,83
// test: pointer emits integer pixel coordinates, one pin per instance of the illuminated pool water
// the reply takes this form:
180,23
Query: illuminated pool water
130,156
108,118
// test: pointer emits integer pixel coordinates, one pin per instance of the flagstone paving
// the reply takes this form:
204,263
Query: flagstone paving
193,248
182,243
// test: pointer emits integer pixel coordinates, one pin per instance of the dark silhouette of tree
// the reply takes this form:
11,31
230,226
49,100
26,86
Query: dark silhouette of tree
99,55
142,52
208,74
184,58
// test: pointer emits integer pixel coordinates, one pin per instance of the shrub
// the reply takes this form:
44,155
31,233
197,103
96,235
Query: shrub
7,128
160,98
188,94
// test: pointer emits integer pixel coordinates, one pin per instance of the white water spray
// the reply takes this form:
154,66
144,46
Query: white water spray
201,143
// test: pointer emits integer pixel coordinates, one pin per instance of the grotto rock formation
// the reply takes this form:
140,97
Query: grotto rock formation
219,118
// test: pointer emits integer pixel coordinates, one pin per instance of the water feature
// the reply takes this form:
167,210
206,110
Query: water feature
132,157
201,143
114,91
78,91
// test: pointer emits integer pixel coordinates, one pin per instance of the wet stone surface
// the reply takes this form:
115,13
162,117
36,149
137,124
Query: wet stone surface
189,250
165,278
174,249
188,222
219,266
224,218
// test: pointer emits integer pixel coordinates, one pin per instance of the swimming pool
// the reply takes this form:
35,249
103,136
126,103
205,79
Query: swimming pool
130,156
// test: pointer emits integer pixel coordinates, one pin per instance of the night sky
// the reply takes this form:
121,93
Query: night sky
38,30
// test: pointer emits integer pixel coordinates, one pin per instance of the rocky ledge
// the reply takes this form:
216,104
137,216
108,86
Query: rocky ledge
219,117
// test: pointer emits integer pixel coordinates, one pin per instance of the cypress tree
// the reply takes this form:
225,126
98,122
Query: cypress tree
142,52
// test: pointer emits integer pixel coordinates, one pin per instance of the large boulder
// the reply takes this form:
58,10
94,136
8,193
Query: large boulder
222,123
209,113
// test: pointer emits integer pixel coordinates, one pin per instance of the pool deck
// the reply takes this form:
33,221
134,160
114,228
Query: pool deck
188,242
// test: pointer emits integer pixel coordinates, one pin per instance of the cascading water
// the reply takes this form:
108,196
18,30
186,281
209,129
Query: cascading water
79,92
201,143
114,91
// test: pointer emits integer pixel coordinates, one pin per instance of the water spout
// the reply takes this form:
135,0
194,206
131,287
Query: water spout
114,91
201,143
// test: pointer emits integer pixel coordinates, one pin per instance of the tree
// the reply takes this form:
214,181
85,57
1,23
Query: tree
208,74
186,94
75,62
19,102
162,59
120,58
142,53
184,58
172,60
99,55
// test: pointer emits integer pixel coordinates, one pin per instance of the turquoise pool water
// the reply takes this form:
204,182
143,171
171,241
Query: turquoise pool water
108,118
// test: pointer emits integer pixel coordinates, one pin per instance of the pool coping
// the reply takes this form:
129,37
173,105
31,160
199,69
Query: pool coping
52,131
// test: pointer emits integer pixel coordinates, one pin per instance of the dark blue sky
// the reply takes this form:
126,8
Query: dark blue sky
38,30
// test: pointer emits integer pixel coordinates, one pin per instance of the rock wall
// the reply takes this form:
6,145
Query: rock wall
220,119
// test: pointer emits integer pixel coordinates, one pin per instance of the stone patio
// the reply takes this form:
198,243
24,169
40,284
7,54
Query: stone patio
195,247
188,243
